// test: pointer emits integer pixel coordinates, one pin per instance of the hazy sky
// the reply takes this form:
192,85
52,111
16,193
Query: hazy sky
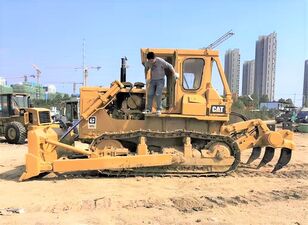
50,33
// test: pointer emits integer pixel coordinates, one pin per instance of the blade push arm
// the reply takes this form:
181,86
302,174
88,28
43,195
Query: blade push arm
102,100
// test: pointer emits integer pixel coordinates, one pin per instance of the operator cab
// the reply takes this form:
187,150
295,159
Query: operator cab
13,104
70,110
193,94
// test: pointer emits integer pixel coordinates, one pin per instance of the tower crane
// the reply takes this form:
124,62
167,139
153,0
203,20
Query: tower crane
69,83
220,40
25,77
85,70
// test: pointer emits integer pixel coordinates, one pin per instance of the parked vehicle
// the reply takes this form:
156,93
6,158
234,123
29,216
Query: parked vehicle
302,116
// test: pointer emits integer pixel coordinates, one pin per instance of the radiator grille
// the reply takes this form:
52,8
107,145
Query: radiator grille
44,117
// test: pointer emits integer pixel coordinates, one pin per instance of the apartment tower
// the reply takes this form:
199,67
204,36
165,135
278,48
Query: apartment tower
248,77
305,88
232,69
265,66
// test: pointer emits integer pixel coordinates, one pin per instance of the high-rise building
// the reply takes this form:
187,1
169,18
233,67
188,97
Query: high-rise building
305,89
248,77
265,66
232,69
2,81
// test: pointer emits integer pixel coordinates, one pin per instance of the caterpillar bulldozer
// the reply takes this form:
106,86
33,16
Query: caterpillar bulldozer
16,116
190,137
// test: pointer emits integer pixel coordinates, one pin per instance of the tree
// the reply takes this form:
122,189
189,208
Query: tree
255,100
65,97
281,100
247,101
264,98
238,105
289,102
54,102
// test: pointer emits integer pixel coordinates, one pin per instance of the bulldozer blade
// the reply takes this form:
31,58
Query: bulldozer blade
268,156
284,159
256,151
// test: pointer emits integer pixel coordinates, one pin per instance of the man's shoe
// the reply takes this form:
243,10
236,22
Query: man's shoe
146,111
158,112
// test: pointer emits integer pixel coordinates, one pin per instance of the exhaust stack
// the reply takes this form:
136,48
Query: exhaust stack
123,69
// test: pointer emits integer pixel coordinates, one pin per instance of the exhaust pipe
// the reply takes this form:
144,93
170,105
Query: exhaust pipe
123,69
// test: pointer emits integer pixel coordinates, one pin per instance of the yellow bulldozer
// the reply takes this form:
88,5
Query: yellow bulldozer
190,137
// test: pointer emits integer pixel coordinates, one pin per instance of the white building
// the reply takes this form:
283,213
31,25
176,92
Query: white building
2,81
51,89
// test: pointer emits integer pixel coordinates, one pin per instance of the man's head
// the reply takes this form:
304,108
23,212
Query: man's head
151,57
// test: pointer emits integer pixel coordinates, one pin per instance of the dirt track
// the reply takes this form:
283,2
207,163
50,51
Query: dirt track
245,197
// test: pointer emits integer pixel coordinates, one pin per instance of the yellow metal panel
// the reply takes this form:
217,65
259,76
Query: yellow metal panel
194,52
117,162
193,105
107,124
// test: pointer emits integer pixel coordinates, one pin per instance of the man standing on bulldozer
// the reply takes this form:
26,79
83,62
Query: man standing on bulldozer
157,80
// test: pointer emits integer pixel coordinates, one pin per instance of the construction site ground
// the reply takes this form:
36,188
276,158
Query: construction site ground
247,196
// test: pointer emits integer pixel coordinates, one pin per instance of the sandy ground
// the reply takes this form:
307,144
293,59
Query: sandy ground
247,196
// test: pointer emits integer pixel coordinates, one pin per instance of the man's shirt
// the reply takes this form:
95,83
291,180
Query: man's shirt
158,68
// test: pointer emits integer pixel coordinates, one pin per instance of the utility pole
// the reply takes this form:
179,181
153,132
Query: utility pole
75,86
38,74
85,68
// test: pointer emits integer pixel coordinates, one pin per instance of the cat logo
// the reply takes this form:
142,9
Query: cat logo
92,122
218,109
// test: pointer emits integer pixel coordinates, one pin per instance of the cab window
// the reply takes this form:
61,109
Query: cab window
21,101
69,112
4,106
192,73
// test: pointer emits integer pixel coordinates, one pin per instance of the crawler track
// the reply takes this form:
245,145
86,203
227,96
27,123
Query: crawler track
161,173
173,170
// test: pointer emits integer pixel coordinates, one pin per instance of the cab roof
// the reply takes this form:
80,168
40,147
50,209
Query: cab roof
14,94
184,52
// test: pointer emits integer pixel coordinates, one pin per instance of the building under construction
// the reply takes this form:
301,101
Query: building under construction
32,89
5,89
35,91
